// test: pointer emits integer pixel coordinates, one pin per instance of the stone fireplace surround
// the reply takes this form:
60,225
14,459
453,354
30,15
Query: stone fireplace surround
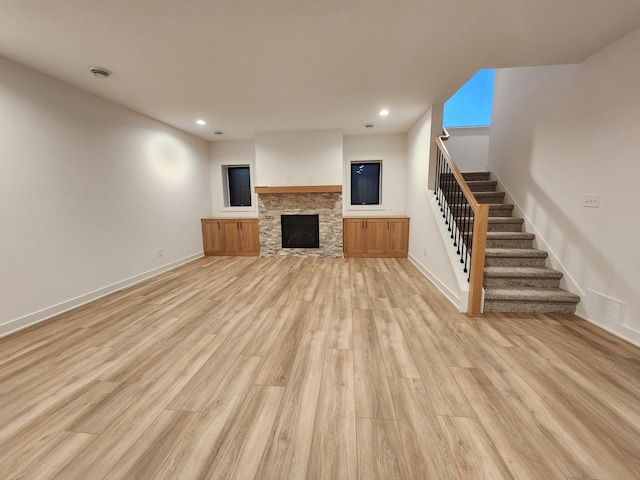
328,206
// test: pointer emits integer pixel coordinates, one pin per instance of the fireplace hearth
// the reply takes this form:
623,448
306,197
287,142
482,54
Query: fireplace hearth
300,231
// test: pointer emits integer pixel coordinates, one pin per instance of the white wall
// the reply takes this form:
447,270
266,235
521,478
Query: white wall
231,152
427,248
299,158
89,192
391,149
559,133
469,148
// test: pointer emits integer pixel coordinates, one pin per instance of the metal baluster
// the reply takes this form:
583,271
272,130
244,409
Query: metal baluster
465,228
454,201
438,161
445,193
458,219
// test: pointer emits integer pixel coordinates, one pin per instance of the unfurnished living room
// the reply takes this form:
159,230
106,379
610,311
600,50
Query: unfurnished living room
240,241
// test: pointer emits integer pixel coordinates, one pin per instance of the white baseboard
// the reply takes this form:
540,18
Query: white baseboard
569,282
621,331
36,317
449,294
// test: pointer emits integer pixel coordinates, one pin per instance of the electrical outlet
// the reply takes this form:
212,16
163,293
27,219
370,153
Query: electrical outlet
425,252
591,200
287,179
159,252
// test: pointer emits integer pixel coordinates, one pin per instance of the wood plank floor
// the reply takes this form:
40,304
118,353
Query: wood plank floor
292,368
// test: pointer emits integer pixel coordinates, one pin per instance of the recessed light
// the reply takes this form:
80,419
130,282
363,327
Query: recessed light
201,122
369,125
384,112
218,132
100,72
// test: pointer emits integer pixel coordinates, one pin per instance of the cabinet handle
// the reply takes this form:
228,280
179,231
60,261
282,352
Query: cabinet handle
387,225
218,225
240,225
366,224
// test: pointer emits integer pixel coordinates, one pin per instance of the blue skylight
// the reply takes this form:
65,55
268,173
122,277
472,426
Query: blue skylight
471,105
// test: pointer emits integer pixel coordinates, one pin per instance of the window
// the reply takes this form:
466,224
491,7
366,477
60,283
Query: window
365,183
471,105
238,191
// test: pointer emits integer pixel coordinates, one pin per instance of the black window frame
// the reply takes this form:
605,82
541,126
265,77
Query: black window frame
238,199
364,195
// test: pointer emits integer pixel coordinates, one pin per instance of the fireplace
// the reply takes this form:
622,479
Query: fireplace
324,206
300,231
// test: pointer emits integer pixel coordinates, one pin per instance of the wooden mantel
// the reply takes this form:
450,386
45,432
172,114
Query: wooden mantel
300,189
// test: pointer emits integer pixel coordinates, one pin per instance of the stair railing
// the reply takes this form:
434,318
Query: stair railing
465,218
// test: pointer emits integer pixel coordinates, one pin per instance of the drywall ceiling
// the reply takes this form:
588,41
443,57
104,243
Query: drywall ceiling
248,66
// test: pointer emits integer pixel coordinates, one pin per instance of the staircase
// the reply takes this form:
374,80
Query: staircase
515,276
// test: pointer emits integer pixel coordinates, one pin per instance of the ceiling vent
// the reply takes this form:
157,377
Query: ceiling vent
100,72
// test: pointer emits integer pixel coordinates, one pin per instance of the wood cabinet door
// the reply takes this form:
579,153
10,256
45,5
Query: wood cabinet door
212,240
397,235
375,235
231,232
352,236
249,237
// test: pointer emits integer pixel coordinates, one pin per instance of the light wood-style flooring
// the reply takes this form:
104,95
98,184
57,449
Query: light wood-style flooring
294,368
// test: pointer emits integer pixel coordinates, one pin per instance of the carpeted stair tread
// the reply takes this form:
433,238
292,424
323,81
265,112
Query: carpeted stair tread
510,236
516,272
500,209
489,197
475,176
551,295
506,220
504,210
482,185
515,252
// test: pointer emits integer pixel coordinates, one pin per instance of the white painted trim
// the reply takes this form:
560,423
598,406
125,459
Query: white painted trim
569,282
450,295
36,317
347,183
461,277
620,331
461,131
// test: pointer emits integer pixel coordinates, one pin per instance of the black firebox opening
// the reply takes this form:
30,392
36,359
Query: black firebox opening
300,231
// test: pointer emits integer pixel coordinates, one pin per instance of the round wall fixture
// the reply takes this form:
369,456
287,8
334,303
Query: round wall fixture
100,72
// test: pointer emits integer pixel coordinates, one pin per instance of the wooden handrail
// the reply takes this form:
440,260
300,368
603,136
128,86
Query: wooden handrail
480,226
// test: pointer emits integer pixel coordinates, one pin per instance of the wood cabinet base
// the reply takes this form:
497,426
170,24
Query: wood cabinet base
236,237
367,237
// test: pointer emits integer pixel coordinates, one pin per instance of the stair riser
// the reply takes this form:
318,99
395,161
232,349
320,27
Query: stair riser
529,307
488,198
498,227
482,188
500,212
509,243
504,227
476,176
514,262
496,211
502,282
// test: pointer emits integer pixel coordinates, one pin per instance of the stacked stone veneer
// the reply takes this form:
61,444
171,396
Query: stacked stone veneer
328,207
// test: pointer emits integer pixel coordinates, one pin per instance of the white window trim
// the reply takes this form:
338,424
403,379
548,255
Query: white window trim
225,189
363,208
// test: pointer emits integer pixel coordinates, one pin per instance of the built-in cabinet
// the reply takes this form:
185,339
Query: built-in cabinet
375,237
231,236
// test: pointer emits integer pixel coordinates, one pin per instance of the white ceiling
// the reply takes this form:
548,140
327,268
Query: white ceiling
248,66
